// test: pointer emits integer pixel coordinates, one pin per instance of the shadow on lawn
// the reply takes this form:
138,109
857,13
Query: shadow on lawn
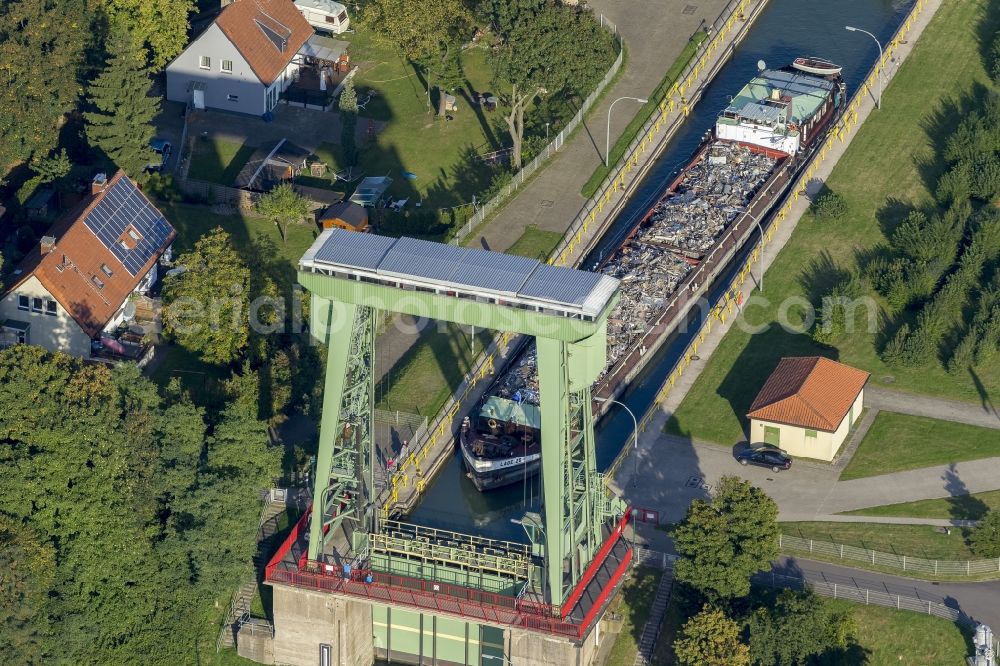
758,360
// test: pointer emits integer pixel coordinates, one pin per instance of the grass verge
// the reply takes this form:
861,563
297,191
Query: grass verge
897,442
645,113
879,187
961,507
633,605
911,540
535,243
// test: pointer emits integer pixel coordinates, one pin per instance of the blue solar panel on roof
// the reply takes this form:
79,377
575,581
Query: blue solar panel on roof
353,249
559,284
123,206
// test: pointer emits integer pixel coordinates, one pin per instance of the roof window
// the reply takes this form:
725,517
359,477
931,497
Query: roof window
106,270
98,282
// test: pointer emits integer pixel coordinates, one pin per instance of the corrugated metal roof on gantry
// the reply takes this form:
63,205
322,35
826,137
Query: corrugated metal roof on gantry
461,268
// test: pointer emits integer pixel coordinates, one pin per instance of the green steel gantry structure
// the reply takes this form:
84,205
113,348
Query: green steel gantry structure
354,277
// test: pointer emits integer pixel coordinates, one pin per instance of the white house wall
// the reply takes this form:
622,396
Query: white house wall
55,333
219,85
793,438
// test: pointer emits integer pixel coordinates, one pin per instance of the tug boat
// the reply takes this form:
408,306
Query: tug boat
503,445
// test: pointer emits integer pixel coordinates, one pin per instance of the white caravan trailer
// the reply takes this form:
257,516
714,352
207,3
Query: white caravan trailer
325,15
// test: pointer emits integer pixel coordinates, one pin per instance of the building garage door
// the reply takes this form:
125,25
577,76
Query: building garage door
772,435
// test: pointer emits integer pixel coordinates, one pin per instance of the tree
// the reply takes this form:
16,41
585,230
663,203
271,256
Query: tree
800,626
725,541
985,537
348,105
428,34
26,566
51,169
206,307
42,47
711,639
283,207
544,48
159,26
121,123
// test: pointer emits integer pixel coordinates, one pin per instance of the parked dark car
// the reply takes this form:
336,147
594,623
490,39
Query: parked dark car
765,456
161,154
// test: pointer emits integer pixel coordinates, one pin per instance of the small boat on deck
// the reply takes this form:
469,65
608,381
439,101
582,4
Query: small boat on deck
816,66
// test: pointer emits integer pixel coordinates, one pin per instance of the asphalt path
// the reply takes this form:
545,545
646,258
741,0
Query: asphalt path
978,600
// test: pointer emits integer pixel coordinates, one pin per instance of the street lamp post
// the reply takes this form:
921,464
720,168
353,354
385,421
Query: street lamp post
881,65
635,436
760,229
607,138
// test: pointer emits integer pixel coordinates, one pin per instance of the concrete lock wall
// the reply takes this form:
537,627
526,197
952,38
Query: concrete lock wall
305,620
357,633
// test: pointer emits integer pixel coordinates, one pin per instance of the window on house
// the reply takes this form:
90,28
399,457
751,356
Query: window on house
233,98
206,62
98,282
124,245
811,433
106,270
227,66
134,235
50,308
22,337
23,303
36,305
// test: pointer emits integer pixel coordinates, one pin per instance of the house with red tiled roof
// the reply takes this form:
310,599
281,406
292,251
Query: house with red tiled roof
807,406
71,291
244,60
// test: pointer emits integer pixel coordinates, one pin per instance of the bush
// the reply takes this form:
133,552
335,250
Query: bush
985,537
162,187
829,206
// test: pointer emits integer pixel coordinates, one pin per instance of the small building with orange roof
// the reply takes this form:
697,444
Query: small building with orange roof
807,406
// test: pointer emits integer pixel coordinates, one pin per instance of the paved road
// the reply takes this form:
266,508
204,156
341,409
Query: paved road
980,601
984,414
670,471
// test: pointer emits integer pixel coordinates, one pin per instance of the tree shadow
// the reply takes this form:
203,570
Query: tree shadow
961,505
939,125
821,275
467,93
984,396
892,213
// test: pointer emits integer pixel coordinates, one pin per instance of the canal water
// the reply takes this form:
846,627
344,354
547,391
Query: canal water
785,30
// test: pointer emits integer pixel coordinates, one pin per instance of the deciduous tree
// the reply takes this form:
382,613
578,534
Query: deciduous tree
348,104
798,627
283,206
159,26
711,639
725,541
121,122
42,47
206,307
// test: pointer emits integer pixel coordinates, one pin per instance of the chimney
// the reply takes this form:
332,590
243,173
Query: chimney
100,182
48,243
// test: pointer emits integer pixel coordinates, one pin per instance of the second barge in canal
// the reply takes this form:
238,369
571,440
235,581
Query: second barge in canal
760,143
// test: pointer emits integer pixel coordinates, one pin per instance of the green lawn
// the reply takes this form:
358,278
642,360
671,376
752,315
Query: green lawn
633,604
442,154
217,160
898,442
889,636
535,243
645,113
429,372
962,507
911,540
880,185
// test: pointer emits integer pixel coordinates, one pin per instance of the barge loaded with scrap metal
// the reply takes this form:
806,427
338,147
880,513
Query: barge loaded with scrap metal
760,143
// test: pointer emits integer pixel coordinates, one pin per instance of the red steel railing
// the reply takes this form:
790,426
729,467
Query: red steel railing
443,597
594,566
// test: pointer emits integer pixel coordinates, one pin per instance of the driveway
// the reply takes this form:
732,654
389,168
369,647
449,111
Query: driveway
671,471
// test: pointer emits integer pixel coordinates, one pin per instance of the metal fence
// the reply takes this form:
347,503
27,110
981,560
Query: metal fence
527,170
890,560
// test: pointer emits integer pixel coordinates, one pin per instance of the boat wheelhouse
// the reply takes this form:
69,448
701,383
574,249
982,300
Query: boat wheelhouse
503,445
